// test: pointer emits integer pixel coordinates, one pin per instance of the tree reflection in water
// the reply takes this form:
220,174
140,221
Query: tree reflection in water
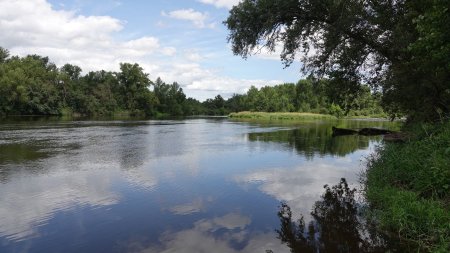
336,225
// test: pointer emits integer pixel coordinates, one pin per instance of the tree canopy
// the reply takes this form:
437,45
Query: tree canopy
398,47
32,85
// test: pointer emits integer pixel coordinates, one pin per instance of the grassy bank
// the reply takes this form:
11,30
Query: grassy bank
408,188
280,116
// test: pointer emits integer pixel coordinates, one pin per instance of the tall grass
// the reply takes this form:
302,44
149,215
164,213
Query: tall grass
408,188
280,116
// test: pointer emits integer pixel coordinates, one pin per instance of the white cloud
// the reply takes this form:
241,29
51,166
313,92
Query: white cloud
193,55
227,86
142,45
275,54
221,3
265,53
206,83
39,25
91,42
197,18
169,51
34,27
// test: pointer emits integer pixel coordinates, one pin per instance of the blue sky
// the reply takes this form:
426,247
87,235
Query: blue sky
183,41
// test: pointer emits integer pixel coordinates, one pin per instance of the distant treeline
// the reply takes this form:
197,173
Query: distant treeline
32,85
308,95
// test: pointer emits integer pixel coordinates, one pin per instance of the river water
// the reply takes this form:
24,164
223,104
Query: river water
194,185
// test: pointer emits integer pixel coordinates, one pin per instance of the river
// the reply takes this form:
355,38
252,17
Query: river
192,185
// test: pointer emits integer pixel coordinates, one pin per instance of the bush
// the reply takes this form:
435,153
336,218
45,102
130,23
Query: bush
336,110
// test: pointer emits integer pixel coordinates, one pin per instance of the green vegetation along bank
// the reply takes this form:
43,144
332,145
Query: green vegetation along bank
280,116
400,48
408,188
33,85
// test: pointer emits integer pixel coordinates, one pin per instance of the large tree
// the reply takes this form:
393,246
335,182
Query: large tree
134,84
400,47
27,86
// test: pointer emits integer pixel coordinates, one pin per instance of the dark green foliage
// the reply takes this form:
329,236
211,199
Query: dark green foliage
133,85
236,103
28,86
307,95
92,94
399,47
408,186
171,98
215,106
193,107
4,54
33,85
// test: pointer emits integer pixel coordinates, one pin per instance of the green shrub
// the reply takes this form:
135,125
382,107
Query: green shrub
336,110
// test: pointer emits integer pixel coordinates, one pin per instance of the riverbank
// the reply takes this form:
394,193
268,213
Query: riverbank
298,116
408,188
280,116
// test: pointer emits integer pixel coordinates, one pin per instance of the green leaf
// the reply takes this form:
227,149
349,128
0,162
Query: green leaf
447,151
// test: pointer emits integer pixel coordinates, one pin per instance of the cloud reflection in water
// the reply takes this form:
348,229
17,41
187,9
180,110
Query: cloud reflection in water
233,237
33,201
301,186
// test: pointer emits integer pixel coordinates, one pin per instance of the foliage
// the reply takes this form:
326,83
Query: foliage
171,98
4,54
306,96
336,110
408,187
34,85
193,107
28,86
400,48
279,116
215,106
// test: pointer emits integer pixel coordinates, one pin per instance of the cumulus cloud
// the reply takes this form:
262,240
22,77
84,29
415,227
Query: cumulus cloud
91,42
34,27
221,3
193,55
197,18
206,83
31,23
169,51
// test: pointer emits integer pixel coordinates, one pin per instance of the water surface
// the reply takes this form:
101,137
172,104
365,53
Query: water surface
195,185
